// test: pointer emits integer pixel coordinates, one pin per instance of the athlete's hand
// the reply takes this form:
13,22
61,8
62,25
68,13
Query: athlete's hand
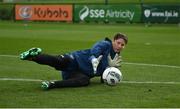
115,62
95,63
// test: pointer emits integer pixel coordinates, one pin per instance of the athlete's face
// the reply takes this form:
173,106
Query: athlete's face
118,45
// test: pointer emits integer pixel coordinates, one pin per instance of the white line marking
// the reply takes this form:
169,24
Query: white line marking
20,79
128,63
153,65
150,82
127,82
10,56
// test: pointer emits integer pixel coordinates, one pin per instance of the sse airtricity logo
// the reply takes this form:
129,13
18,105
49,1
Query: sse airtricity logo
25,12
84,13
147,13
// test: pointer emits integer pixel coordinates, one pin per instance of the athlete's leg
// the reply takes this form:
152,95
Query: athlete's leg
77,79
58,62
34,54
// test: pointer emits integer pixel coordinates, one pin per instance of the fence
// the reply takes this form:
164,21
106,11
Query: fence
120,13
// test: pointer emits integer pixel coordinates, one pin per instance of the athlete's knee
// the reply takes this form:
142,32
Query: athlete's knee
64,58
63,62
84,80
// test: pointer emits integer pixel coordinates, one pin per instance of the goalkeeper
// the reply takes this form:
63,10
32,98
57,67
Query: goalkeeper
79,67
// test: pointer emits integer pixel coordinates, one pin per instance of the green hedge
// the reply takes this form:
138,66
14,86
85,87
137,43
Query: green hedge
6,11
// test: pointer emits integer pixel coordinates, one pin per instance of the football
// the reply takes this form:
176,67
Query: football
112,76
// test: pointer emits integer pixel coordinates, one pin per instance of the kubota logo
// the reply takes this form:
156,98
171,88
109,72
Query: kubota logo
25,12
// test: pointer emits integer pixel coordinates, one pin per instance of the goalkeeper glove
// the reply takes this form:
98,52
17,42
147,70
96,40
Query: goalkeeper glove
95,63
115,62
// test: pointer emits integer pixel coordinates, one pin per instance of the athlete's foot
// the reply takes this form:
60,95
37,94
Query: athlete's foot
46,85
30,53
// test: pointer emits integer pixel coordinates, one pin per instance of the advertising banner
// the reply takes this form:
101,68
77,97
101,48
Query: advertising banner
109,13
44,12
161,13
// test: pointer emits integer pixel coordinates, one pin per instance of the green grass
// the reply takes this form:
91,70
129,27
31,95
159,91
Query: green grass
157,44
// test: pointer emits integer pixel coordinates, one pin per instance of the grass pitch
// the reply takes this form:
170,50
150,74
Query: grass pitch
151,67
